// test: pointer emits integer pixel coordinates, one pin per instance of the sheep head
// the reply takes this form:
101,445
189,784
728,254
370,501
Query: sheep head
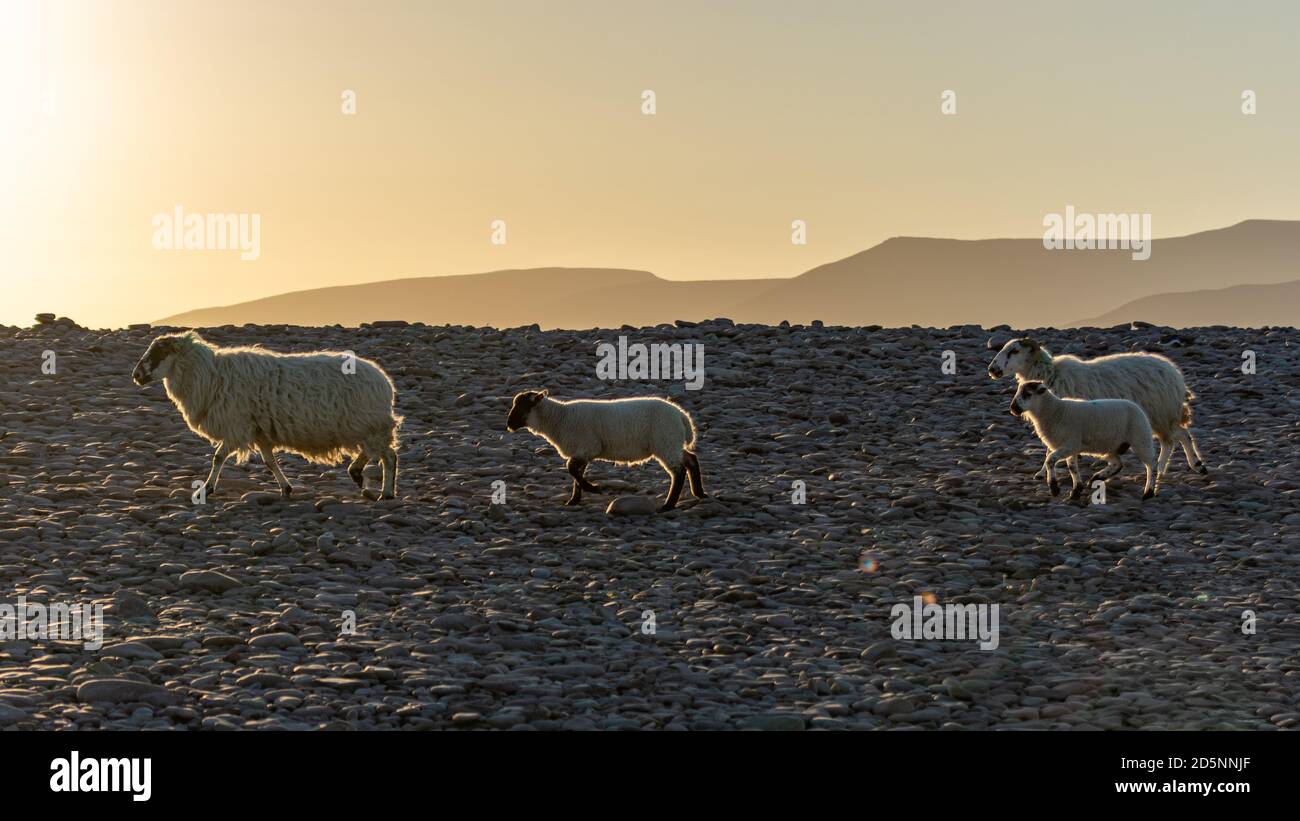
157,360
1027,397
522,407
1014,357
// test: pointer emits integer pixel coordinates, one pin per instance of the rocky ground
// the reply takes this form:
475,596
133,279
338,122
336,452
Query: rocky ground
766,613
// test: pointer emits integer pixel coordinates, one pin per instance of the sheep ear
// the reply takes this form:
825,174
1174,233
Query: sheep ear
1031,344
542,394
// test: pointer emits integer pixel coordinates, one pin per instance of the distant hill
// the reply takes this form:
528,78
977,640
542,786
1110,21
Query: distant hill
902,281
1244,306
552,297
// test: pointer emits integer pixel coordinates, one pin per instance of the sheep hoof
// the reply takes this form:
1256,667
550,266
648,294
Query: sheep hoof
571,503
359,478
208,490
1203,470
666,507
1076,493
1055,487
1148,494
286,491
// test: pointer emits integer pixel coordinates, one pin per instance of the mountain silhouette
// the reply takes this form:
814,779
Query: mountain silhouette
902,281
1243,306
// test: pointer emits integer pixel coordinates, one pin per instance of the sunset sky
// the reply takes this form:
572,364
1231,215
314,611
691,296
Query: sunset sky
530,112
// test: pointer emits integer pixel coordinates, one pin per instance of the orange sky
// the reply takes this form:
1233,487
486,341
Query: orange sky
531,113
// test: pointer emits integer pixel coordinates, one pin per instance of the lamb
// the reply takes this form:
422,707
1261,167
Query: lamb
321,405
624,431
1097,427
1151,381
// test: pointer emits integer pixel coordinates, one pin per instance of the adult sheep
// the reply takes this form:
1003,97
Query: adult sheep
624,431
1153,382
322,405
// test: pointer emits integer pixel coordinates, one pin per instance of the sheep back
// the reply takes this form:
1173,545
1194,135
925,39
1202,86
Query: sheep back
303,403
626,431
1151,381
1096,427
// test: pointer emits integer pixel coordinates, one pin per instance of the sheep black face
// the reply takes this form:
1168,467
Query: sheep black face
523,405
1026,397
1013,358
156,361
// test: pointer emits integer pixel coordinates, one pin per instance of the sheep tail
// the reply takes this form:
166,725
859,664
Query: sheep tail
689,433
397,425
1186,419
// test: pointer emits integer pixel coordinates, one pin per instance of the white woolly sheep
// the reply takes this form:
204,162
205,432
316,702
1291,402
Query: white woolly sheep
1151,381
623,431
1096,427
322,405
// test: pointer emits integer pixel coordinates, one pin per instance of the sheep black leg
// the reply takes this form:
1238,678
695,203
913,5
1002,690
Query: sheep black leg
578,470
1119,465
675,489
693,473
1114,464
357,470
576,496
1049,464
1076,485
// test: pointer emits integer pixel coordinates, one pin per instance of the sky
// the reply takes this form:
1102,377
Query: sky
466,113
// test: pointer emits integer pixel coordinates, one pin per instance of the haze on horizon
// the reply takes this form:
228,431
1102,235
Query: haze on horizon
467,113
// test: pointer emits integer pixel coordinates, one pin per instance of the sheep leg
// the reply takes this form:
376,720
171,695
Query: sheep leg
675,489
1166,453
268,456
389,461
1115,463
576,495
578,470
1076,486
1049,465
1193,453
693,473
1042,471
218,461
357,468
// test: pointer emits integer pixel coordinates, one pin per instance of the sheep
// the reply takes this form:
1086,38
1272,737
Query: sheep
321,405
623,431
1093,427
1151,381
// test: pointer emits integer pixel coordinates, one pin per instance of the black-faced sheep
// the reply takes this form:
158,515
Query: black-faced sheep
322,405
1151,381
624,431
1097,427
